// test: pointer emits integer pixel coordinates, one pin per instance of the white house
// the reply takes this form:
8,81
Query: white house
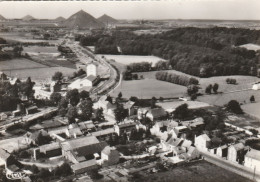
92,69
236,153
222,151
252,159
84,83
202,142
256,86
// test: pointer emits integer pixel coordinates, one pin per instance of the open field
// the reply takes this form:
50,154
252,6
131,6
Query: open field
128,59
36,50
19,63
252,109
24,37
149,88
39,74
194,172
243,87
172,105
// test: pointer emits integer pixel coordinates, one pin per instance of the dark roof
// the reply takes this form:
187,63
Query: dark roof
83,165
79,143
4,154
158,112
89,149
91,78
49,147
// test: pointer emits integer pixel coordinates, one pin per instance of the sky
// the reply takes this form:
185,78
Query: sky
146,9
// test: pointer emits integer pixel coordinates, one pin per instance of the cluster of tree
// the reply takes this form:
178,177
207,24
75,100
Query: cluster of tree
231,81
209,88
2,41
234,107
10,94
202,52
139,67
176,79
64,50
78,73
43,174
42,139
88,40
127,75
16,52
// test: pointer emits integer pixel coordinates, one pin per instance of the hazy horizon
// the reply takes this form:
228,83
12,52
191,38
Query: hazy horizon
125,10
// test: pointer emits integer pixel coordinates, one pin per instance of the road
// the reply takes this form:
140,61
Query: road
85,56
27,118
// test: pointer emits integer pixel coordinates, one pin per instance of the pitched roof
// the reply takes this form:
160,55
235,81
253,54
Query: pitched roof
254,154
91,78
85,164
174,141
186,143
129,104
205,137
239,146
89,149
79,142
4,154
49,147
103,132
157,112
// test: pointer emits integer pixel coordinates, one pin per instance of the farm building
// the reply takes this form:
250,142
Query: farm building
156,113
82,149
84,83
83,167
92,69
202,142
51,150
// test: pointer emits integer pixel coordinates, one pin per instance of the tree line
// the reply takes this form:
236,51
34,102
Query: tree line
176,79
201,52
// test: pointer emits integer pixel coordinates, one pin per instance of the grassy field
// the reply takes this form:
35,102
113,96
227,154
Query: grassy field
243,83
148,88
19,63
170,106
128,59
41,50
24,37
194,172
40,73
252,109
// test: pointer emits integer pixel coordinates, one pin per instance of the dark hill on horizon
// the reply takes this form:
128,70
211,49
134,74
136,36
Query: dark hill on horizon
83,20
107,19
60,18
2,18
28,18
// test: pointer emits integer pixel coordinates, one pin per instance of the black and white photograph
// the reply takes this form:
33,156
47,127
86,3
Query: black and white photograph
130,91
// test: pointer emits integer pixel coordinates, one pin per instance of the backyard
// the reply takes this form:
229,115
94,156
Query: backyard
193,172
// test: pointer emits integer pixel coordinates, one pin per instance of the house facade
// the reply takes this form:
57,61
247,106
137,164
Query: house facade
202,142
252,160
236,153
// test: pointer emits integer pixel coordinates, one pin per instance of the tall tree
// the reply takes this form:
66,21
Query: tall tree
215,88
73,97
57,76
86,109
